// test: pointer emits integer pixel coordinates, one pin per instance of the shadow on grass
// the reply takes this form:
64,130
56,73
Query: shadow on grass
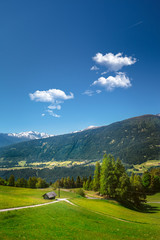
150,209
145,208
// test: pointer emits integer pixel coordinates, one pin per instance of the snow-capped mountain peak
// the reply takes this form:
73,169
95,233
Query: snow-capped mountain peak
30,135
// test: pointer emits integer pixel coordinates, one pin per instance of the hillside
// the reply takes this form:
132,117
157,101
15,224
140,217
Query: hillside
88,219
134,140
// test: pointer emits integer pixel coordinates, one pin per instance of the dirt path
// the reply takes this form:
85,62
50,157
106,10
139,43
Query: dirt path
38,205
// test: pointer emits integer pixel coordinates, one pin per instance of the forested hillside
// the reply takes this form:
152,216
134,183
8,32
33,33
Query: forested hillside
133,140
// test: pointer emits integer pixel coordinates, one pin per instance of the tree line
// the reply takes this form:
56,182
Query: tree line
32,182
112,181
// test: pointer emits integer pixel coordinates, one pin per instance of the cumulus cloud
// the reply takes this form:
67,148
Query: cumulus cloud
50,95
53,96
120,80
43,114
113,62
94,68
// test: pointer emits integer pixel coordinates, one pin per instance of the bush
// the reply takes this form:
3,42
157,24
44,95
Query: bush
80,192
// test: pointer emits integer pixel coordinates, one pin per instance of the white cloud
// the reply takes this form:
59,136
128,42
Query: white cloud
98,91
113,62
43,114
58,107
52,113
88,93
50,95
103,73
94,68
53,96
120,80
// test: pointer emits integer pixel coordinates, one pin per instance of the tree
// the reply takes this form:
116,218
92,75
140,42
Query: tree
78,182
123,189
2,181
65,183
96,180
41,183
11,181
146,180
61,182
32,182
108,177
88,185
137,195
72,183
69,182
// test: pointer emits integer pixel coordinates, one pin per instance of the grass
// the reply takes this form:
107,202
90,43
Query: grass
17,197
154,198
90,219
141,168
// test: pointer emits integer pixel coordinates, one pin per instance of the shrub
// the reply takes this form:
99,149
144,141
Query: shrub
80,192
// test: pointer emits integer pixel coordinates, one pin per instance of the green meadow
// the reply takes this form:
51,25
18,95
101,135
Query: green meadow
89,219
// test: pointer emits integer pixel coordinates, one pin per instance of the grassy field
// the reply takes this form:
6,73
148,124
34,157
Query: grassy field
17,197
89,219
141,168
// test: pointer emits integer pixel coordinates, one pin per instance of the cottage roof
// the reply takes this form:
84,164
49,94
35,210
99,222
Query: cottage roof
51,194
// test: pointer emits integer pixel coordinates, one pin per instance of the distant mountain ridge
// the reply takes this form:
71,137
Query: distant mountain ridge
11,138
30,135
134,140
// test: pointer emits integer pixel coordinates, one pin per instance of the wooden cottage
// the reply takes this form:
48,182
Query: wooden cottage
49,195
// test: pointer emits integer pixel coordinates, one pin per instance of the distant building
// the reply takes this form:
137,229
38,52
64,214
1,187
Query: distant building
50,195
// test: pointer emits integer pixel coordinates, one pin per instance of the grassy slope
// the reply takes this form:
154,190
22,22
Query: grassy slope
17,197
64,221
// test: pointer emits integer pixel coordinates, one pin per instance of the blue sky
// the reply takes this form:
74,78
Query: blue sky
47,51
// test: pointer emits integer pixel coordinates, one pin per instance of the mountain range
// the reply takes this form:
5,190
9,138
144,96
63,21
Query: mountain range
11,138
134,141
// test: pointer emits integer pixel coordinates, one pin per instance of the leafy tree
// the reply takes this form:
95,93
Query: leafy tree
96,180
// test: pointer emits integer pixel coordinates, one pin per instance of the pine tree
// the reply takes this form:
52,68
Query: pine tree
106,176
11,181
78,182
137,195
96,180
72,183
146,180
